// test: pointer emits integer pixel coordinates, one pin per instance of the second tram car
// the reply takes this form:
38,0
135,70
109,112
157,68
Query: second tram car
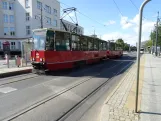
55,50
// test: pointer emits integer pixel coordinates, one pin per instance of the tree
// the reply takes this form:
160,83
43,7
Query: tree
133,48
126,47
120,42
148,43
153,36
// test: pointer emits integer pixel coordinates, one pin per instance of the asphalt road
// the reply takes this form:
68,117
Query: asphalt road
73,95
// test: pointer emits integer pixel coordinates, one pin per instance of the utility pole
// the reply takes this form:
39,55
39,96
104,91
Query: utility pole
138,52
156,53
152,49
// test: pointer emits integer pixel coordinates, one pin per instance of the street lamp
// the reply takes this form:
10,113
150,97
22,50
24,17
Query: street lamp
138,51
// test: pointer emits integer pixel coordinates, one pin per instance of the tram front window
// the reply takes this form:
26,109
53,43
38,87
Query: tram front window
39,41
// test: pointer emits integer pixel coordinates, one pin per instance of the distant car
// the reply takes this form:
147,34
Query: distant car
142,50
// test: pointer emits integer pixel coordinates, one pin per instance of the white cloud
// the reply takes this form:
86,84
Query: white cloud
127,23
110,22
124,23
129,38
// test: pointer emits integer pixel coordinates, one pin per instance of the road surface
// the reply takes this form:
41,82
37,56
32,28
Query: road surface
75,95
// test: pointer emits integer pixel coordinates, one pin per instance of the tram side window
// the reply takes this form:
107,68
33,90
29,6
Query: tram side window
90,44
50,40
96,44
84,43
62,41
100,45
76,43
112,46
104,45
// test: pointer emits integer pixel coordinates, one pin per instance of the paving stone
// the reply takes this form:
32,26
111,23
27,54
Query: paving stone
127,119
122,119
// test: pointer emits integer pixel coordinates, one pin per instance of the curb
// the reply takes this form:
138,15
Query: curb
105,108
14,73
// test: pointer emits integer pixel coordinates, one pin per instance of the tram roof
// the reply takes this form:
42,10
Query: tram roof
53,29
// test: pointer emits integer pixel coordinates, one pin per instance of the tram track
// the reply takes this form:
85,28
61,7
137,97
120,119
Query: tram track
72,86
76,106
23,77
16,79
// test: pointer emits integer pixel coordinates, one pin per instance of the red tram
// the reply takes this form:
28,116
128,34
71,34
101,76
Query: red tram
55,50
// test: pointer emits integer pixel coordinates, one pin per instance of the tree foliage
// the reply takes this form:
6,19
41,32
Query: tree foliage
148,43
153,37
126,47
120,42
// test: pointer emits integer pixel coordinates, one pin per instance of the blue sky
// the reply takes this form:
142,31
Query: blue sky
106,13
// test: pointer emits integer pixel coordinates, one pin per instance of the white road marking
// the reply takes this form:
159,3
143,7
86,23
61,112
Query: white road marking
7,89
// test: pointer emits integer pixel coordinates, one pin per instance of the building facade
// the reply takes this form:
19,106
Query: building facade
20,17
70,26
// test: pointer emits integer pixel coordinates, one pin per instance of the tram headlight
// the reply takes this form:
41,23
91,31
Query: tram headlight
41,59
33,59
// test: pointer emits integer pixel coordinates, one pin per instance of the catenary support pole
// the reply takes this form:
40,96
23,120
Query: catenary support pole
156,42
138,51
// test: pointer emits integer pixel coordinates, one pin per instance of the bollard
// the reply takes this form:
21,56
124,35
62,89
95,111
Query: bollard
26,58
16,60
7,60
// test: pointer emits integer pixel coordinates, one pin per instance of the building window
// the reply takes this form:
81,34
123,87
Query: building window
11,6
55,12
5,5
5,30
12,31
5,18
48,20
27,30
12,19
55,23
39,5
27,3
27,16
13,45
48,9
19,45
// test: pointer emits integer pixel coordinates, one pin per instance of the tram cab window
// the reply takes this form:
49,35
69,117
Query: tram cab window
90,44
50,40
62,41
76,43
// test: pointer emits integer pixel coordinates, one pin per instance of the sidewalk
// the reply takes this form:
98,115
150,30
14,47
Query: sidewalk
151,93
13,70
120,104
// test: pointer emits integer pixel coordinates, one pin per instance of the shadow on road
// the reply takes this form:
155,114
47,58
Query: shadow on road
106,68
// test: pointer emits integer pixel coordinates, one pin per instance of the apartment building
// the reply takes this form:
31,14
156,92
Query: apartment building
20,17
